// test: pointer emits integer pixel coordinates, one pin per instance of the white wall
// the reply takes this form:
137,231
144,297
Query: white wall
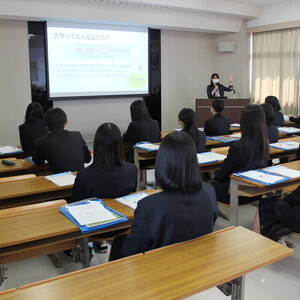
15,92
188,59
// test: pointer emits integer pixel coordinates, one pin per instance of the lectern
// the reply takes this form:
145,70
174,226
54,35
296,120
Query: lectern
233,109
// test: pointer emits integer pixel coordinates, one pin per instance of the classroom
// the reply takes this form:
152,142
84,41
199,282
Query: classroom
192,34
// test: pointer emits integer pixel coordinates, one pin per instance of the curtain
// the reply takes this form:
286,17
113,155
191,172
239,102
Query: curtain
275,68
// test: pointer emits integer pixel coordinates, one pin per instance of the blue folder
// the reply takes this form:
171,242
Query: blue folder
240,174
91,227
223,139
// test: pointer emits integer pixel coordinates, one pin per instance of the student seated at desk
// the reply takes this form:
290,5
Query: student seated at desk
33,128
272,131
249,153
279,119
185,209
64,150
278,216
141,128
218,124
187,119
108,176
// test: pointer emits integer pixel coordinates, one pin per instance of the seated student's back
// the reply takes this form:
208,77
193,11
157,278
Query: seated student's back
218,124
33,128
187,119
108,176
185,209
279,119
64,150
272,130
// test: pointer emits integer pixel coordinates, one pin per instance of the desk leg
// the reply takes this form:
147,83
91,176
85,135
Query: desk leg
234,203
238,291
85,257
137,163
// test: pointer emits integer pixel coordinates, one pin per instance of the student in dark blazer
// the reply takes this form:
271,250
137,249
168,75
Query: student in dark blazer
185,209
64,150
218,124
272,131
108,176
215,89
33,128
187,119
141,128
279,119
250,152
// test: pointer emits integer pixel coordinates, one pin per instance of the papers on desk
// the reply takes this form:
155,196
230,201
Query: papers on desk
261,177
132,200
283,171
290,130
209,157
223,139
236,135
147,146
235,125
62,179
90,215
9,149
286,145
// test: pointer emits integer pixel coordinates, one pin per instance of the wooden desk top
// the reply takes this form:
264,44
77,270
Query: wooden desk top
48,223
171,272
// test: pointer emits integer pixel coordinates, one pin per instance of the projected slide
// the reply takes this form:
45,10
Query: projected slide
96,61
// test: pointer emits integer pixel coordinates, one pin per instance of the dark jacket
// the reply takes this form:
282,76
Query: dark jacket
295,119
272,133
142,130
222,88
64,150
29,132
217,125
171,217
115,182
279,119
235,161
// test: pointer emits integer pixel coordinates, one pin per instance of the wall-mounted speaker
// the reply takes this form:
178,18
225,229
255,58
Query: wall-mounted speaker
226,46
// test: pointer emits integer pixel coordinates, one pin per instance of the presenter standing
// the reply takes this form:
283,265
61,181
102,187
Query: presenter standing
215,89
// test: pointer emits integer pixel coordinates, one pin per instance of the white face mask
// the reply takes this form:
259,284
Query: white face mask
215,81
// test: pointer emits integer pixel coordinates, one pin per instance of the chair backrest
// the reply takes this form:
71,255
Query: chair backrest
26,209
19,177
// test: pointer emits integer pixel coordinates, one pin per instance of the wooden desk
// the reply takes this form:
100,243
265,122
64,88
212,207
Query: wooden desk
38,233
21,192
23,166
172,272
243,187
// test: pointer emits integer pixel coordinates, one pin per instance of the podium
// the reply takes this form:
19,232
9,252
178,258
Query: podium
232,110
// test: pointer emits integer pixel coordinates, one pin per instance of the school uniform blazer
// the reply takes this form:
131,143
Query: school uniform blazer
235,161
116,182
171,217
29,132
272,133
295,120
142,130
222,88
217,125
202,140
279,119
64,150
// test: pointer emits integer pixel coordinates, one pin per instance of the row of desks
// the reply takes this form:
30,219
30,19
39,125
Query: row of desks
172,272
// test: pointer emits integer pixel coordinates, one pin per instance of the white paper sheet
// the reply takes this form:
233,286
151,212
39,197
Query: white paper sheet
131,200
207,157
289,129
9,149
286,145
62,179
262,177
92,212
283,171
147,146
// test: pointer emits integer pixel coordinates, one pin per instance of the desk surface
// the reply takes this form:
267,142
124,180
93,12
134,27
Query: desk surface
171,272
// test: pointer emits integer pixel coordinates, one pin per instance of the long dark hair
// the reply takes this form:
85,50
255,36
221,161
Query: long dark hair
269,113
176,166
107,147
188,117
34,111
254,140
139,111
274,102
